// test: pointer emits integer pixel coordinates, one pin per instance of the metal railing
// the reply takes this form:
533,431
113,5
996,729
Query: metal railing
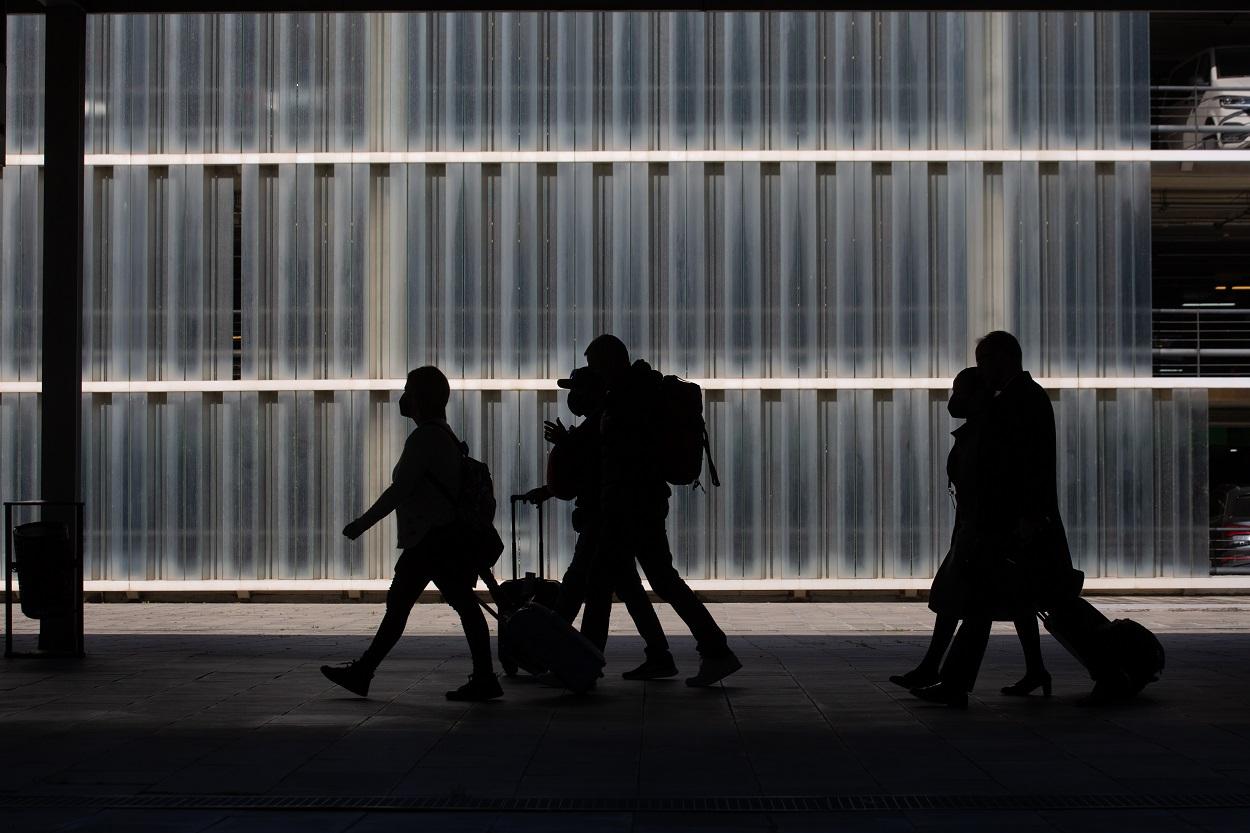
1201,342
1199,117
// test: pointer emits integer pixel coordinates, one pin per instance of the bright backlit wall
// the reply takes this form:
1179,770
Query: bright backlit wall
331,197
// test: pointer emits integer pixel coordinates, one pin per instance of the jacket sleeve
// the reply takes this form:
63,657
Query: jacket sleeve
1045,451
408,471
1031,471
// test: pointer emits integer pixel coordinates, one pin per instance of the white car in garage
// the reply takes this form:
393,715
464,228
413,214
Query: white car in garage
1217,94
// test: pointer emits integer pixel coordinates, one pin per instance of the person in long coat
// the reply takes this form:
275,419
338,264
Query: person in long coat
1019,561
948,595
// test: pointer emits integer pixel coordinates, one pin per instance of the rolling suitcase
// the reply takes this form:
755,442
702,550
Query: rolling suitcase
515,593
1122,656
543,637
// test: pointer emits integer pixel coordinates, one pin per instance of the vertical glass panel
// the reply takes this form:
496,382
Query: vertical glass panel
316,267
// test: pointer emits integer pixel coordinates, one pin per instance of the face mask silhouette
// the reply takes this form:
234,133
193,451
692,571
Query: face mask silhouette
585,391
583,401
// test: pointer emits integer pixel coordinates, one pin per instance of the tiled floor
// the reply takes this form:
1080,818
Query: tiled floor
206,700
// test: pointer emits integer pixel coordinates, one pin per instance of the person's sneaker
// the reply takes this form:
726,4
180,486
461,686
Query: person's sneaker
654,668
714,669
478,689
350,675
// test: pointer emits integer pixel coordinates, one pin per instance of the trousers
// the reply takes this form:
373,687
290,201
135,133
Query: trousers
575,589
436,559
645,540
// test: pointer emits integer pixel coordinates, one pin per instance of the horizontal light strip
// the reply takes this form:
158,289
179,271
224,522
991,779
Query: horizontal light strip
865,383
259,385
1101,585
439,157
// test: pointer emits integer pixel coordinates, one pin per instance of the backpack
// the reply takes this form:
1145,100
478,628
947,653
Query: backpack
683,440
474,506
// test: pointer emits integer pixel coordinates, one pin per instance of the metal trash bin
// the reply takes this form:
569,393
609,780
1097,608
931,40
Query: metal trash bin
46,557
44,561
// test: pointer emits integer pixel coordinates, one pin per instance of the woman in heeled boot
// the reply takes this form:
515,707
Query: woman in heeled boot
948,595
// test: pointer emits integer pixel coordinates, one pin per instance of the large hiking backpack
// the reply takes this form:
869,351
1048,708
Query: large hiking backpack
683,440
475,507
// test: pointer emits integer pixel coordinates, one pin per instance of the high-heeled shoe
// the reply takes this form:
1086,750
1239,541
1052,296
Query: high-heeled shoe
916,678
1028,684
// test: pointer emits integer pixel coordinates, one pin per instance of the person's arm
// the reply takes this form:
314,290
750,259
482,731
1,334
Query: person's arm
386,503
538,495
555,432
404,481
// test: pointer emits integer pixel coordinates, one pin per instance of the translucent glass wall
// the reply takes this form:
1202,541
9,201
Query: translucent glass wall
21,263
299,261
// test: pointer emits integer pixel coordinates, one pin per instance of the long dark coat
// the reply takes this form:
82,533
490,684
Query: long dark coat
1020,557
948,594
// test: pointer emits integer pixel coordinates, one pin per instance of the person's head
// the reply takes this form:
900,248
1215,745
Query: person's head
968,394
999,359
425,394
608,357
586,391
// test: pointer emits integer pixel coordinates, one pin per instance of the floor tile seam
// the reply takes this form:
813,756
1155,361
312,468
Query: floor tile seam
846,748
416,764
205,752
529,761
742,744
738,803
642,744
346,731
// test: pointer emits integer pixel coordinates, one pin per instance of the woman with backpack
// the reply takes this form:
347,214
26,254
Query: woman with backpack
422,494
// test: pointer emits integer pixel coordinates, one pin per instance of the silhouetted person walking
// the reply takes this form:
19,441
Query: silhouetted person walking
949,593
634,508
577,456
1020,555
423,485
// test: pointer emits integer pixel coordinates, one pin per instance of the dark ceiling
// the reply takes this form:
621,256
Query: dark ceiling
175,6
1174,37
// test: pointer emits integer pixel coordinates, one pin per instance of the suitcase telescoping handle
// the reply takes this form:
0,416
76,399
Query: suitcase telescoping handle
492,585
513,503
542,558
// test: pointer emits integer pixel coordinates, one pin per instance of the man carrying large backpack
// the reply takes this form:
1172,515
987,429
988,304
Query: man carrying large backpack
634,504
437,544
574,472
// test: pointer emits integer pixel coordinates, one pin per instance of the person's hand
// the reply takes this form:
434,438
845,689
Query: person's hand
555,432
538,495
354,530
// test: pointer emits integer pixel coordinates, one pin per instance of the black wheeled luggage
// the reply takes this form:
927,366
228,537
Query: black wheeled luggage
539,636
532,635
1122,656
516,592
543,637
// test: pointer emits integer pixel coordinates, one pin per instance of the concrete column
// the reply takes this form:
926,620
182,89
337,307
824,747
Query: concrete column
64,95
60,441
